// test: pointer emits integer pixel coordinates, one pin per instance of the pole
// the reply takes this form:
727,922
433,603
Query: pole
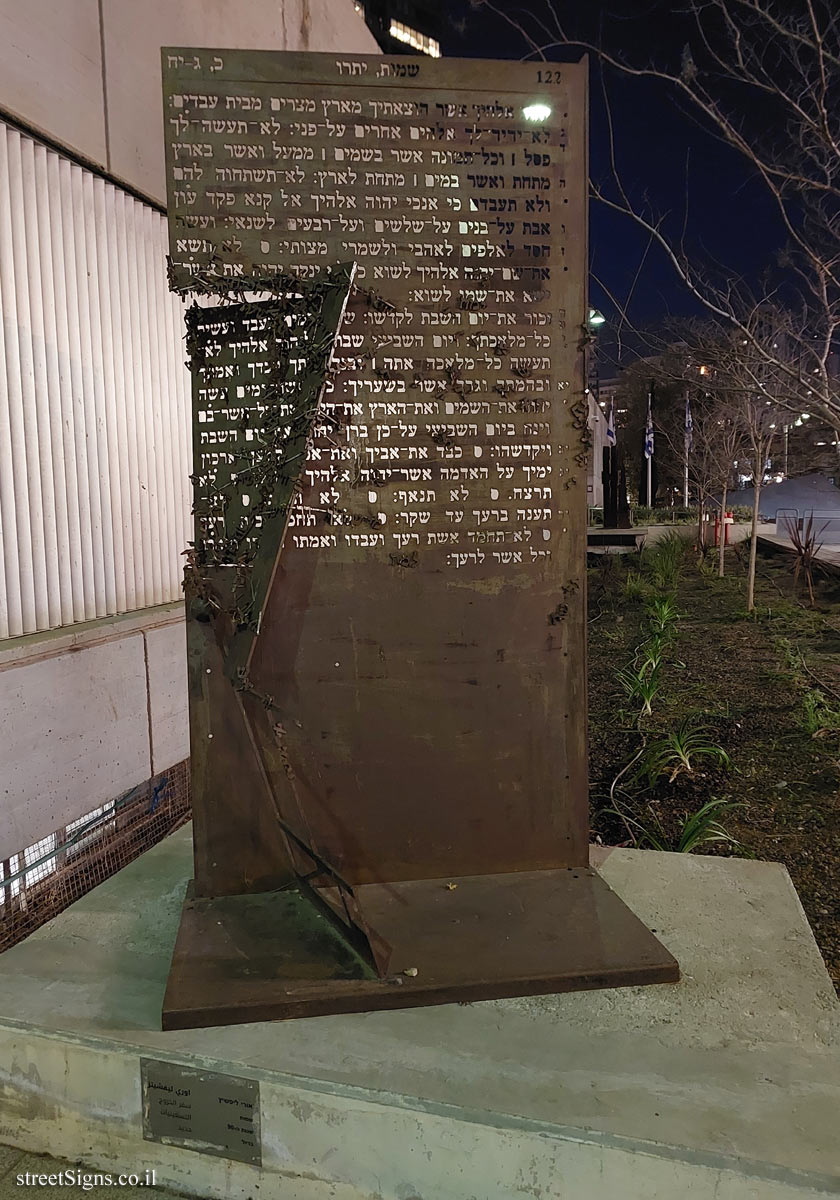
685,481
649,446
687,444
686,440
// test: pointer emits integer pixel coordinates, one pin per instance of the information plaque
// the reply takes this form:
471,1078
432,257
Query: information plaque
201,1110
411,704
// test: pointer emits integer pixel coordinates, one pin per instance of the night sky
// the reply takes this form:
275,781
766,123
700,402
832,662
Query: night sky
662,153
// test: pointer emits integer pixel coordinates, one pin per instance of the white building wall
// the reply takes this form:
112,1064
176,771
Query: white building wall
51,71
95,86
87,713
90,710
94,397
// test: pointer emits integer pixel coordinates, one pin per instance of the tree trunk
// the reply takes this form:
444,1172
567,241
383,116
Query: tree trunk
701,526
754,539
722,533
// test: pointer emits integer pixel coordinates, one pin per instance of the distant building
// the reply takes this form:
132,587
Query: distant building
404,26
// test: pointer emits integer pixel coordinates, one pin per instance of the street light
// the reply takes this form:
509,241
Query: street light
595,319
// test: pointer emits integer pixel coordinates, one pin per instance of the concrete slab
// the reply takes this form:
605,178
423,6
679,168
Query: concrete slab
33,1169
10,1156
725,1085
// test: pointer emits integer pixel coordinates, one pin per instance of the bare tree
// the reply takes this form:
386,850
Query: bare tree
741,408
743,57
750,392
760,431
718,443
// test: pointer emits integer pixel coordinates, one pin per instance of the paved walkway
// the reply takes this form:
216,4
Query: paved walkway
828,554
15,1163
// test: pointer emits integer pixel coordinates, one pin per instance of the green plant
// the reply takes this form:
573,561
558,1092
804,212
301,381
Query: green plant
662,614
699,828
635,587
821,717
663,515
682,751
664,560
650,655
641,683
793,660
806,550
703,826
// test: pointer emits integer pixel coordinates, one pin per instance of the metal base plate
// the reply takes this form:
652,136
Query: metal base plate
272,956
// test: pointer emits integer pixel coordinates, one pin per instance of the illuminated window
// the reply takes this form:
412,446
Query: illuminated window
417,41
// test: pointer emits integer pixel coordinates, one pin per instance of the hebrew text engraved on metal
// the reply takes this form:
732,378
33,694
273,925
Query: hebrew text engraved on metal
427,616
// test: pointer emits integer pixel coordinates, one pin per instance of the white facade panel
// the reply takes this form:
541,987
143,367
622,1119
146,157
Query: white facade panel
166,659
51,71
75,735
134,33
94,397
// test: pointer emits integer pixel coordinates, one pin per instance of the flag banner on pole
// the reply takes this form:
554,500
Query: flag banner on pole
611,435
689,426
649,434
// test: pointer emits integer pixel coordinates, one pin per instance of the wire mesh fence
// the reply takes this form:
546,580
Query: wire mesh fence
43,879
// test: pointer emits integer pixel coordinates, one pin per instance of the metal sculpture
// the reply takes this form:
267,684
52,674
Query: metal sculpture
386,593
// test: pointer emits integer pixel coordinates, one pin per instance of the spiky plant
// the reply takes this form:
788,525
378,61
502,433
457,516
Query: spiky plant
699,828
682,752
662,614
806,550
650,655
641,683
664,562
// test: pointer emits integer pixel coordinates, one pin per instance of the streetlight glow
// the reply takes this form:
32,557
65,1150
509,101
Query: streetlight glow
536,112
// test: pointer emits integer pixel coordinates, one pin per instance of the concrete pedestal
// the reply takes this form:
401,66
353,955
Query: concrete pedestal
725,1085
